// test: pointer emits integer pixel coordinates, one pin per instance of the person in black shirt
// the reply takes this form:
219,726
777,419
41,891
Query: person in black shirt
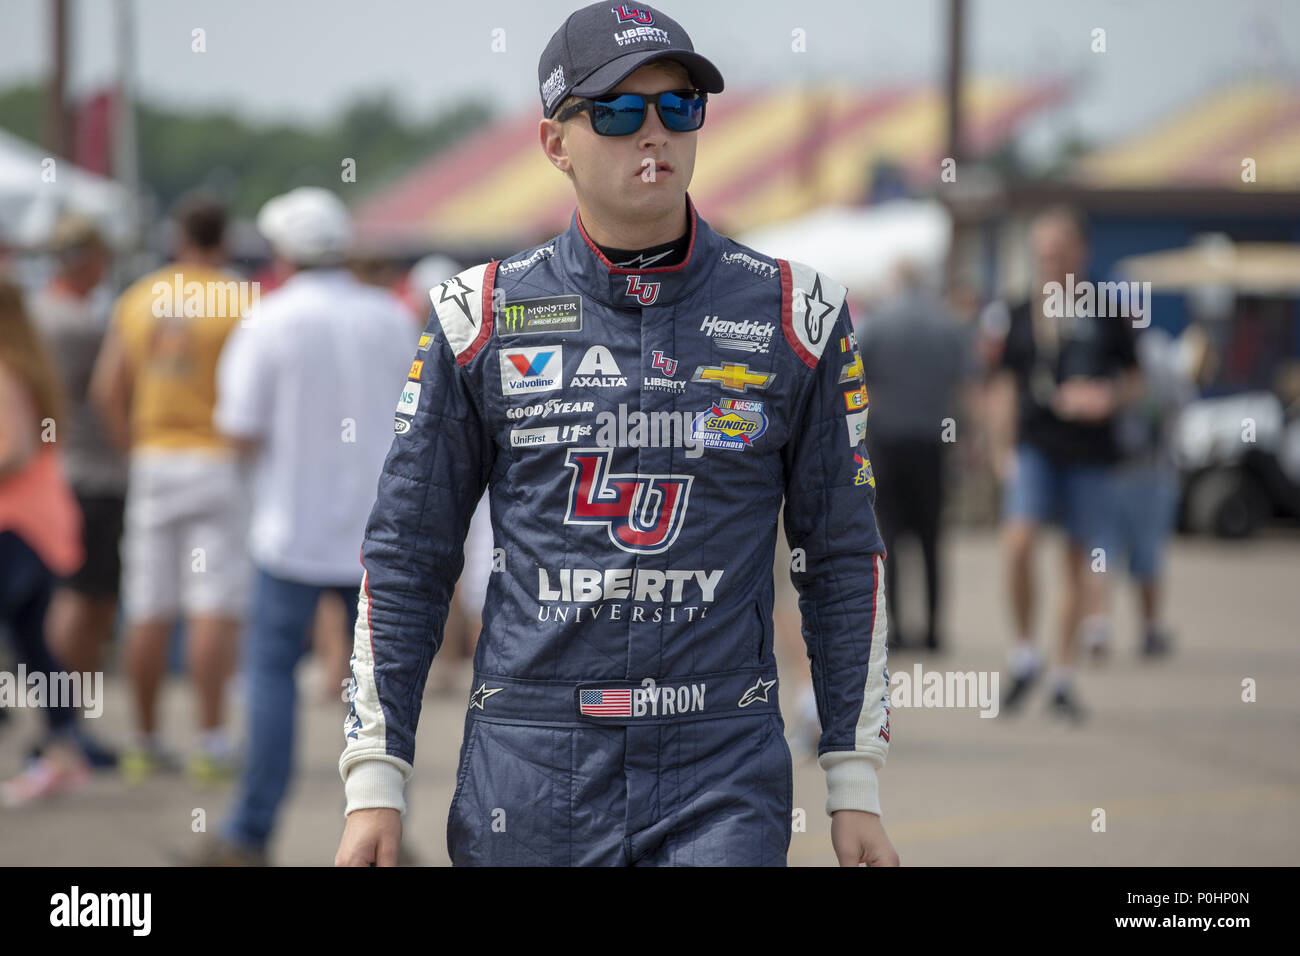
1059,385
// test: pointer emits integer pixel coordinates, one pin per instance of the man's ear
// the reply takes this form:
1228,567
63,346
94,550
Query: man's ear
551,136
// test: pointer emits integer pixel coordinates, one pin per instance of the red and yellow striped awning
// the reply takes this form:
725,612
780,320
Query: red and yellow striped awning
763,157
1205,144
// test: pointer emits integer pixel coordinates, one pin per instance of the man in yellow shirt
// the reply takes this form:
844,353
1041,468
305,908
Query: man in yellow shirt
184,548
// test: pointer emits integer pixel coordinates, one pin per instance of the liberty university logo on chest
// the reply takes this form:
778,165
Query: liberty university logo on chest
642,513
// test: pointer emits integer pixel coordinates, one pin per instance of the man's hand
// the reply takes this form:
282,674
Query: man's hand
371,837
1085,400
859,837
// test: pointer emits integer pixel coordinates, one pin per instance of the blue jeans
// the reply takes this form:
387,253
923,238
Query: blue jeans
279,626
1146,504
26,585
1078,497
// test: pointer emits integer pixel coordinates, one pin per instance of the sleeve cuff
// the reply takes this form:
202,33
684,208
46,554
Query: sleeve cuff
374,783
851,782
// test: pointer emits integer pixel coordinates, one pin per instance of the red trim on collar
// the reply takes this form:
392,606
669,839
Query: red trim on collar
617,270
787,315
485,320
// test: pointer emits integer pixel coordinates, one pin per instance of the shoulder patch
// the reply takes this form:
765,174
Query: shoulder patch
742,257
527,260
464,307
810,303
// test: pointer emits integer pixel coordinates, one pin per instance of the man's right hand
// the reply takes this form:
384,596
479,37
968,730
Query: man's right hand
370,838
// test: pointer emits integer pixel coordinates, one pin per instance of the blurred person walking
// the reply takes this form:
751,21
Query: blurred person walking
306,388
40,537
183,549
1146,482
72,323
1052,404
915,357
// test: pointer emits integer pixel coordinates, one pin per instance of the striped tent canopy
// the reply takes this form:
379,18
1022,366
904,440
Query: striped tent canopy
763,157
1205,144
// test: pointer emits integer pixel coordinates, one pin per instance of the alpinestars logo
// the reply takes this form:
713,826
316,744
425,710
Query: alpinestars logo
642,513
644,292
454,290
816,311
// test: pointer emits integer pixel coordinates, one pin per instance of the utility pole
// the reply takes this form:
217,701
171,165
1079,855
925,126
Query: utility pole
58,132
126,167
956,28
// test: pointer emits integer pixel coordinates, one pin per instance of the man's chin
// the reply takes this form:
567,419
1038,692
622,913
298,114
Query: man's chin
652,200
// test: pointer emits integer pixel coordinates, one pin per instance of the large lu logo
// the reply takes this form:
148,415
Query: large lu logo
642,513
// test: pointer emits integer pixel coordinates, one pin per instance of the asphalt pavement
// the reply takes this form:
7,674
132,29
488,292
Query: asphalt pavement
1171,767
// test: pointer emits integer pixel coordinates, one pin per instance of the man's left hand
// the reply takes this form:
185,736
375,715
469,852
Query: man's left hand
1085,400
859,837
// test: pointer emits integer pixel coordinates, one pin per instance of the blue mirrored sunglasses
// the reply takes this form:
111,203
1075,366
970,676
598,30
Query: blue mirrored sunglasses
621,115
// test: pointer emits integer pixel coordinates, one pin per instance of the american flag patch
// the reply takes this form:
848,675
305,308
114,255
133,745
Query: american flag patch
605,703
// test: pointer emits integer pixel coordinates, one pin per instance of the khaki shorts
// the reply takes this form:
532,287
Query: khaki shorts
185,544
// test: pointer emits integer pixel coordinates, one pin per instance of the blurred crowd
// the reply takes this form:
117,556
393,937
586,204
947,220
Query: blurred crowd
191,463
174,465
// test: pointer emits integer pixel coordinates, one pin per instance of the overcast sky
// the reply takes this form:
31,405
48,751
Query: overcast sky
303,59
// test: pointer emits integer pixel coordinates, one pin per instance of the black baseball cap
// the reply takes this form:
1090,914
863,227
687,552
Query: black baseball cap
599,45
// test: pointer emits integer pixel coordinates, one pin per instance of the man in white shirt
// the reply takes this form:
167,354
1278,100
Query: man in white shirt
306,386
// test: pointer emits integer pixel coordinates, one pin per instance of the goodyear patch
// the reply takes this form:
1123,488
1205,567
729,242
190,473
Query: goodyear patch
730,423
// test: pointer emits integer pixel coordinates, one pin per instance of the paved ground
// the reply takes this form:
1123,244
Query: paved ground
1185,771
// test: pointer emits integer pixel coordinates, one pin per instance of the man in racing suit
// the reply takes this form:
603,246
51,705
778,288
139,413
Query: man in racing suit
637,429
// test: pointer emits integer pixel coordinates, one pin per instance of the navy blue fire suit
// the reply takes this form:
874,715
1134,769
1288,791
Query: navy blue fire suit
637,431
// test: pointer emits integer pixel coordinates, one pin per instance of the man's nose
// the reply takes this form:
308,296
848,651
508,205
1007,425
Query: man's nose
652,131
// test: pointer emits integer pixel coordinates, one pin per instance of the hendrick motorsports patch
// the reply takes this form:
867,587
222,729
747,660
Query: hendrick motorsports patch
730,423
555,313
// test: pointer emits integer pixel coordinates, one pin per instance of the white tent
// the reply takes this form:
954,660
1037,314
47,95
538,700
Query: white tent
30,203
861,246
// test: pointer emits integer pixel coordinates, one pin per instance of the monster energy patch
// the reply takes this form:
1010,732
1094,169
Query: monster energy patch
556,313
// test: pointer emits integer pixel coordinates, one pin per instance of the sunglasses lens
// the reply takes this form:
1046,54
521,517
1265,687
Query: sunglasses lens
682,113
618,117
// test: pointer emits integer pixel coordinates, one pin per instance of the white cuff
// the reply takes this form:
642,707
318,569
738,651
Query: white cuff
851,782
374,783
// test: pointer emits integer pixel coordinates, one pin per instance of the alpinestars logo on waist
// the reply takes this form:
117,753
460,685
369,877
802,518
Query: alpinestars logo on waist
644,292
642,513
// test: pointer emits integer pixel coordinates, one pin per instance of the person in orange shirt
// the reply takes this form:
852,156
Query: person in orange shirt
71,316
40,537
183,550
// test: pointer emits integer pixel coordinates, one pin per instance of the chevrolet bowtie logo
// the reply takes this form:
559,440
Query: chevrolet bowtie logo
851,372
736,378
